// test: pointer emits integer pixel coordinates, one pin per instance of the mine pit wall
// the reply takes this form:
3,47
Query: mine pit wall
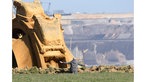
105,32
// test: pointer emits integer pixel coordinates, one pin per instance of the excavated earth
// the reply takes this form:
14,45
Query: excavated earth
50,70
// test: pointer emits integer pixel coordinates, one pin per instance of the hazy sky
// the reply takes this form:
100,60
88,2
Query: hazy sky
91,6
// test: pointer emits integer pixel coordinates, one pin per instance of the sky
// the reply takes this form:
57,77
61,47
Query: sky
90,6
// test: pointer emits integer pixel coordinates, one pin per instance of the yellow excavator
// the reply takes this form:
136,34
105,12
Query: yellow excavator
37,39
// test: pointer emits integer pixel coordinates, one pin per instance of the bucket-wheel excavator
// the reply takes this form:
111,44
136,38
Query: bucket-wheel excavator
37,39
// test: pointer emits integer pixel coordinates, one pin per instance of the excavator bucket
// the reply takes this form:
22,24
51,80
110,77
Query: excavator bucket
37,39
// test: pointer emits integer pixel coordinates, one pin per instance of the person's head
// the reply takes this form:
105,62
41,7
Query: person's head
74,58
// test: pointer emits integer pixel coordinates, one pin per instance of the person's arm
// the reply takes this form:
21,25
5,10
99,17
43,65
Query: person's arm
81,64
